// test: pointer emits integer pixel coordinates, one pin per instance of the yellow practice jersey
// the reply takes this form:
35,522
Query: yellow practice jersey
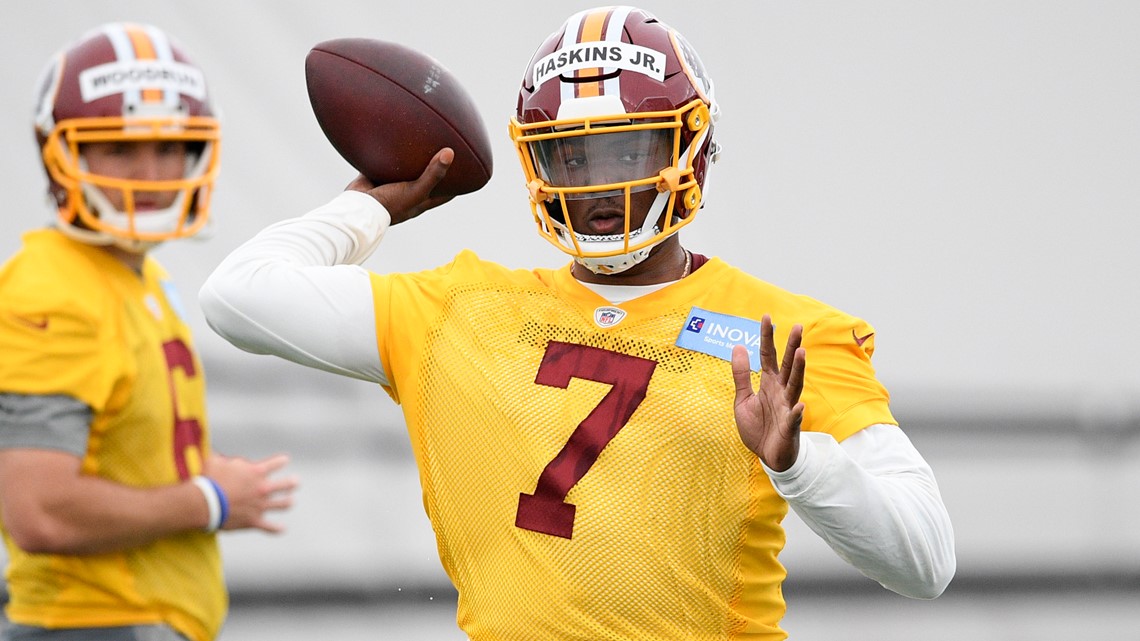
580,462
77,322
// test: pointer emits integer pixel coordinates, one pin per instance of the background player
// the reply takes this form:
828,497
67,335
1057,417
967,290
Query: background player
598,460
110,494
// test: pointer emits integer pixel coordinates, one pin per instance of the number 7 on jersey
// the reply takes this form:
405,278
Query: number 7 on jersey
546,510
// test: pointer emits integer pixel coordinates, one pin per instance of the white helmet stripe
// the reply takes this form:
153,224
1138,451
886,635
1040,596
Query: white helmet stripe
124,52
615,26
573,27
158,39
614,29
164,53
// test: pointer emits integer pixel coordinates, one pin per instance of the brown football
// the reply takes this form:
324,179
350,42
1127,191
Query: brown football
387,109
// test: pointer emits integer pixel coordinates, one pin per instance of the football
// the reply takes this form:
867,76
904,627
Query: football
387,109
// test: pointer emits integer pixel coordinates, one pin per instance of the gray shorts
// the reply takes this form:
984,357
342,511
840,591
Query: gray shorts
16,632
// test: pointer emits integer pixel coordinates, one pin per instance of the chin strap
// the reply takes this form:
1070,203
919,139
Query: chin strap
91,237
614,264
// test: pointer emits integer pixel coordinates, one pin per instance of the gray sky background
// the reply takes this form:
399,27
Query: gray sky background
964,175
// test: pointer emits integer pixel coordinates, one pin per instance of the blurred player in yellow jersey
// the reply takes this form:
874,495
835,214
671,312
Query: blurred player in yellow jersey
110,495
606,450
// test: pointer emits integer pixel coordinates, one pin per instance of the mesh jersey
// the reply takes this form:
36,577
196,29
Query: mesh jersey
589,483
75,321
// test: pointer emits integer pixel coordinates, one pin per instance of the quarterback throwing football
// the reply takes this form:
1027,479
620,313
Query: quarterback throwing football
606,450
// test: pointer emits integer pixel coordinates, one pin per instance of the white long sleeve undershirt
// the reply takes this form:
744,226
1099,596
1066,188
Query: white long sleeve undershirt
296,290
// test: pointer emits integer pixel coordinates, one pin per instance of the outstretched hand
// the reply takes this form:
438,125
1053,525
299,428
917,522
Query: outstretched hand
251,489
769,418
407,200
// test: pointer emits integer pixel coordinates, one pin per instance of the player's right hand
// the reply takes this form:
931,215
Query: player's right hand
406,200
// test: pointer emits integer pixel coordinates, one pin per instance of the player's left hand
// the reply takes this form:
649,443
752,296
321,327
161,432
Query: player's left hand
251,489
769,418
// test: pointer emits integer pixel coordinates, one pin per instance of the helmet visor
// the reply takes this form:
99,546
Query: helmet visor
593,165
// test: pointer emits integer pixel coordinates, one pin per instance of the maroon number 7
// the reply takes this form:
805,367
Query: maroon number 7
546,510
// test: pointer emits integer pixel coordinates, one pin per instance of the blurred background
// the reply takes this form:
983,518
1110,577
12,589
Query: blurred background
961,174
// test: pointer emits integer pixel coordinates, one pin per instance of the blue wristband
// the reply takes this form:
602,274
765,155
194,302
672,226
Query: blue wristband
223,503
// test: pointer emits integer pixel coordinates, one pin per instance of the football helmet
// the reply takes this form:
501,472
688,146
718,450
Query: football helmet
122,83
615,103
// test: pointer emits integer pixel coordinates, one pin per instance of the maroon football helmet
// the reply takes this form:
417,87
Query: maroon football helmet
615,83
121,83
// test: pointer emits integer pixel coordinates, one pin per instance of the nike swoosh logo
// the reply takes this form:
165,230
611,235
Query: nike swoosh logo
35,322
860,341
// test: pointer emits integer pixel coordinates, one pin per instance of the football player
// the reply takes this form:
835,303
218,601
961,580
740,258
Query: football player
110,494
606,450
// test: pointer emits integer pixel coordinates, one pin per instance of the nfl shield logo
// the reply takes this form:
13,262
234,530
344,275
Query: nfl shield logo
608,316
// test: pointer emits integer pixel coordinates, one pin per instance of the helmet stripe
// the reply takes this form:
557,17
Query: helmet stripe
143,50
163,51
591,31
614,31
569,38
124,52
602,25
